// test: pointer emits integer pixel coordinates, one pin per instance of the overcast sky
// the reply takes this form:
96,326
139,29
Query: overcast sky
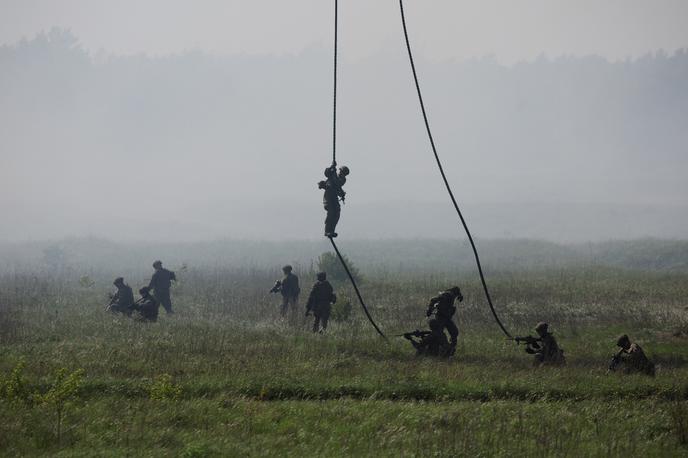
509,30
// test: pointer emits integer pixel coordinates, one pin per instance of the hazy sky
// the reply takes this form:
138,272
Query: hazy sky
508,29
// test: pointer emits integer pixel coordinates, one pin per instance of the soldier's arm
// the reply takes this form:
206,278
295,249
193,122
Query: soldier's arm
153,279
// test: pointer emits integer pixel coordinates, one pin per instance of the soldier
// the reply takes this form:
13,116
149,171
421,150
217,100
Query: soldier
290,290
333,192
442,306
631,358
123,299
429,343
544,348
147,305
320,302
160,284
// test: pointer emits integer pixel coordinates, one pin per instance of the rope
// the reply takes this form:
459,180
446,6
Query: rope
334,96
444,177
358,293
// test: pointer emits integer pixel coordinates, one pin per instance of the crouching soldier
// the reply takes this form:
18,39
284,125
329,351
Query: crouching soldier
544,348
429,343
147,305
631,359
320,302
123,299
442,306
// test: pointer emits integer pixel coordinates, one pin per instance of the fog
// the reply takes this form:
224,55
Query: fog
174,145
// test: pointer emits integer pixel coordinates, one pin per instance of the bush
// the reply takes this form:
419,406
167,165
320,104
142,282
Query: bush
329,262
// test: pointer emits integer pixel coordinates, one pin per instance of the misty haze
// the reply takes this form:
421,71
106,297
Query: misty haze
495,265
194,146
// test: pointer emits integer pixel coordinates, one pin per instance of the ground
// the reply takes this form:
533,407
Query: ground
225,376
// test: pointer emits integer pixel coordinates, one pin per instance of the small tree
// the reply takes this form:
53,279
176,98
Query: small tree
329,262
65,387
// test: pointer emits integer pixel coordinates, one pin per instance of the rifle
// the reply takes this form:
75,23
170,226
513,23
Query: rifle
277,288
113,299
417,333
528,340
615,362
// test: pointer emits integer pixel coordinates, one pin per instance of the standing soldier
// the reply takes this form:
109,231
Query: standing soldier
123,299
631,358
333,192
320,302
147,306
442,306
289,288
160,284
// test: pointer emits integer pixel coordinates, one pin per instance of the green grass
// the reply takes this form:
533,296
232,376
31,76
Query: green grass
226,376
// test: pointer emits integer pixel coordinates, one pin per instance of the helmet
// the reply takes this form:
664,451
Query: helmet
322,276
345,170
144,290
157,264
623,340
541,327
287,268
456,291
118,281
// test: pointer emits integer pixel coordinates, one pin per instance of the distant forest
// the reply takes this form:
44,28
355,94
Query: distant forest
196,146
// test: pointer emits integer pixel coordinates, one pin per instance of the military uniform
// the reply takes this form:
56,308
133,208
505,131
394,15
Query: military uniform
290,291
547,352
333,192
633,361
320,303
160,283
123,299
147,307
443,307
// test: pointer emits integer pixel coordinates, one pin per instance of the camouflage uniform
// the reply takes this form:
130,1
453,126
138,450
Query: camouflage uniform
320,303
290,292
123,299
443,307
333,192
160,283
147,306
632,359
545,349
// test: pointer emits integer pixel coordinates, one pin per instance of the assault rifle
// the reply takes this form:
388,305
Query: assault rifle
277,288
417,333
528,340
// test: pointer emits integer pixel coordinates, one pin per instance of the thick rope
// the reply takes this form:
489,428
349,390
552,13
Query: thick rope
444,177
358,293
334,96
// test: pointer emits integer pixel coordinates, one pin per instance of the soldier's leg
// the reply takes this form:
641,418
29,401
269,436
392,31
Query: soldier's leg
284,306
333,213
453,332
164,298
324,318
316,322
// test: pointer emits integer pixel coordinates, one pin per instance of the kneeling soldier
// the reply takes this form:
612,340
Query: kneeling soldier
544,348
147,305
631,358
123,299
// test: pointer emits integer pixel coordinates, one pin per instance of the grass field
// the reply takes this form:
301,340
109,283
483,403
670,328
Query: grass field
225,376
